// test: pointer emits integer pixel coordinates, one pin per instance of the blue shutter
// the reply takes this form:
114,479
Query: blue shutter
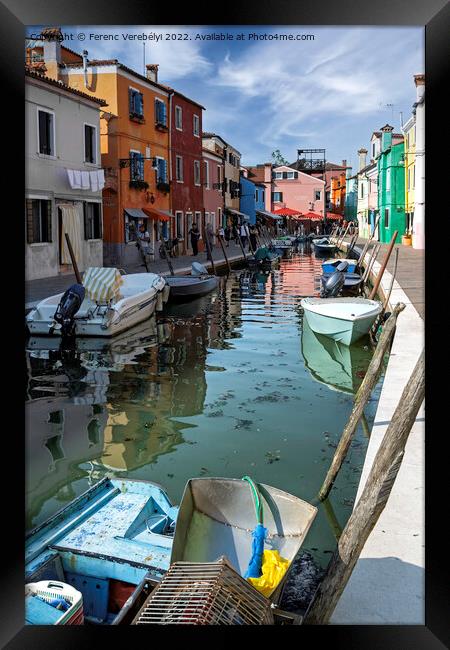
138,103
141,166
160,170
165,170
131,100
164,114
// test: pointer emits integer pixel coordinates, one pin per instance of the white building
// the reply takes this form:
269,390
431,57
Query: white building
63,178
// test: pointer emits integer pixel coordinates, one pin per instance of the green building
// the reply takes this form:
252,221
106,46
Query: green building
391,187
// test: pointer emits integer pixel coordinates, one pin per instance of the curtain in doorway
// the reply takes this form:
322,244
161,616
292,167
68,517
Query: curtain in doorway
71,224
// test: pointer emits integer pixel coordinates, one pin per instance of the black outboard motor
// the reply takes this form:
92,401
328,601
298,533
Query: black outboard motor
68,306
334,283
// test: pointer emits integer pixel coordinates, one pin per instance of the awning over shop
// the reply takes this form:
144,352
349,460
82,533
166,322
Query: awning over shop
239,214
136,213
333,216
269,215
158,215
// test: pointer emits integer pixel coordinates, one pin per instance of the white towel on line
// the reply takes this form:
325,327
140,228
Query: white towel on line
71,178
85,184
77,179
101,179
94,180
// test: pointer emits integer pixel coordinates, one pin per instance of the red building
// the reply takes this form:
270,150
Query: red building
186,155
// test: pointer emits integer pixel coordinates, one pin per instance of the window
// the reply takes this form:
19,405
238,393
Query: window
206,175
219,217
219,174
263,199
196,125
179,169
388,179
90,143
92,220
290,175
278,174
196,172
178,118
39,221
136,103
198,221
161,170
362,191
386,218
256,196
373,150
179,225
277,196
317,195
160,112
46,132
136,166
409,178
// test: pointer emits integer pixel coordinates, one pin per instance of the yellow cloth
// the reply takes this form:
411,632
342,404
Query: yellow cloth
273,569
102,284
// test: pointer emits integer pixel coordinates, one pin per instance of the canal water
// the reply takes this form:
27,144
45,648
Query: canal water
232,384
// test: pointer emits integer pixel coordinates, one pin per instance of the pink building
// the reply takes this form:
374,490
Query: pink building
296,190
213,195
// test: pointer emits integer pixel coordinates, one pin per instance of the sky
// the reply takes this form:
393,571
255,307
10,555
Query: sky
262,94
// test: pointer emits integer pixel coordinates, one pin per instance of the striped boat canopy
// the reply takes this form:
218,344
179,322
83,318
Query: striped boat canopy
102,284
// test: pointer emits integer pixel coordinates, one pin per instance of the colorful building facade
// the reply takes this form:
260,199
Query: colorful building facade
391,187
247,198
187,176
297,191
213,199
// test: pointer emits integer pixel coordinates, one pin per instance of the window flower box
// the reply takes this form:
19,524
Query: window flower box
163,187
137,117
161,127
139,185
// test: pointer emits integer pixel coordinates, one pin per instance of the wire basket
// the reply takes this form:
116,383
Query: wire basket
211,593
49,590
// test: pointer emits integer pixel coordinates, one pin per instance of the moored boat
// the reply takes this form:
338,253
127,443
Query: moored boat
352,281
104,544
189,287
104,305
217,515
329,266
323,245
343,319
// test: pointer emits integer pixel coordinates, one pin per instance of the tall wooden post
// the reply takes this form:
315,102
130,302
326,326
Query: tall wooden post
208,246
72,257
383,266
224,252
242,248
373,499
361,399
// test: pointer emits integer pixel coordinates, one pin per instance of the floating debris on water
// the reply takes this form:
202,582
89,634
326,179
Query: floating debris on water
215,414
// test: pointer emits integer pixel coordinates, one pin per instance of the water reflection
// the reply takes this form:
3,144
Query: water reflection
215,387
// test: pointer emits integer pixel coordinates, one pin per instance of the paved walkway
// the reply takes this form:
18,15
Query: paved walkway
410,270
36,290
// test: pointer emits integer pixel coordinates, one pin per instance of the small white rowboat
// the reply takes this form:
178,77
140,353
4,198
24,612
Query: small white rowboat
343,319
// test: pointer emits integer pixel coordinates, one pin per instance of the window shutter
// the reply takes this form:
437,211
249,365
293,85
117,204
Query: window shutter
86,220
131,100
285,174
165,170
29,220
164,113
157,111
141,103
100,220
141,166
295,174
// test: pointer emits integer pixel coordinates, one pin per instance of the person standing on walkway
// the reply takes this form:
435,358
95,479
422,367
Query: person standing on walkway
144,238
253,243
227,232
210,234
244,234
235,233
195,236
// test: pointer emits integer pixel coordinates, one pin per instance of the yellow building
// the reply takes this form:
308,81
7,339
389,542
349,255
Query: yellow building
409,132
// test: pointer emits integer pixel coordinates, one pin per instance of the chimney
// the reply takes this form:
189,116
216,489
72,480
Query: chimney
152,71
419,80
344,163
386,137
362,153
52,38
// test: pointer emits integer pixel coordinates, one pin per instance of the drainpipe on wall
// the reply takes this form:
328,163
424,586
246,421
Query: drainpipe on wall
85,54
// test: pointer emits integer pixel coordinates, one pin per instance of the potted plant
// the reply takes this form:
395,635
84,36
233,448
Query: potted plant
138,184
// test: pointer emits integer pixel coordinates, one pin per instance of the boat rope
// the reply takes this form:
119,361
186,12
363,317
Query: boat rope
256,497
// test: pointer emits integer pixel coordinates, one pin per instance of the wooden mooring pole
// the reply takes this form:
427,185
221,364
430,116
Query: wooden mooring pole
373,499
208,247
383,267
361,399
72,257
224,252
366,245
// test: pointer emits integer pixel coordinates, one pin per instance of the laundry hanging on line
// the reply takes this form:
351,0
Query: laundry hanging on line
83,180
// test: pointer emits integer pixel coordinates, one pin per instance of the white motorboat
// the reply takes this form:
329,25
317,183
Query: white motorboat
111,303
343,319
286,241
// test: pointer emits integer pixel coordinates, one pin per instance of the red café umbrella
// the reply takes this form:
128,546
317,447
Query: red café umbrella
287,212
314,216
333,216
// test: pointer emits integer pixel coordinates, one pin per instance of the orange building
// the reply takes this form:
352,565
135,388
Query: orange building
134,137
337,193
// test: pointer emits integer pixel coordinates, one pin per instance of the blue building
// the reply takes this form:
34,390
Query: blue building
248,195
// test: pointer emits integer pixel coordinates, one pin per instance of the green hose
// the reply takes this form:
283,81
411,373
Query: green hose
258,503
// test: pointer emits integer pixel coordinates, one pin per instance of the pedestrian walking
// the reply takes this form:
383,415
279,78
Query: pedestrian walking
244,234
227,232
195,236
253,243
235,233
144,238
